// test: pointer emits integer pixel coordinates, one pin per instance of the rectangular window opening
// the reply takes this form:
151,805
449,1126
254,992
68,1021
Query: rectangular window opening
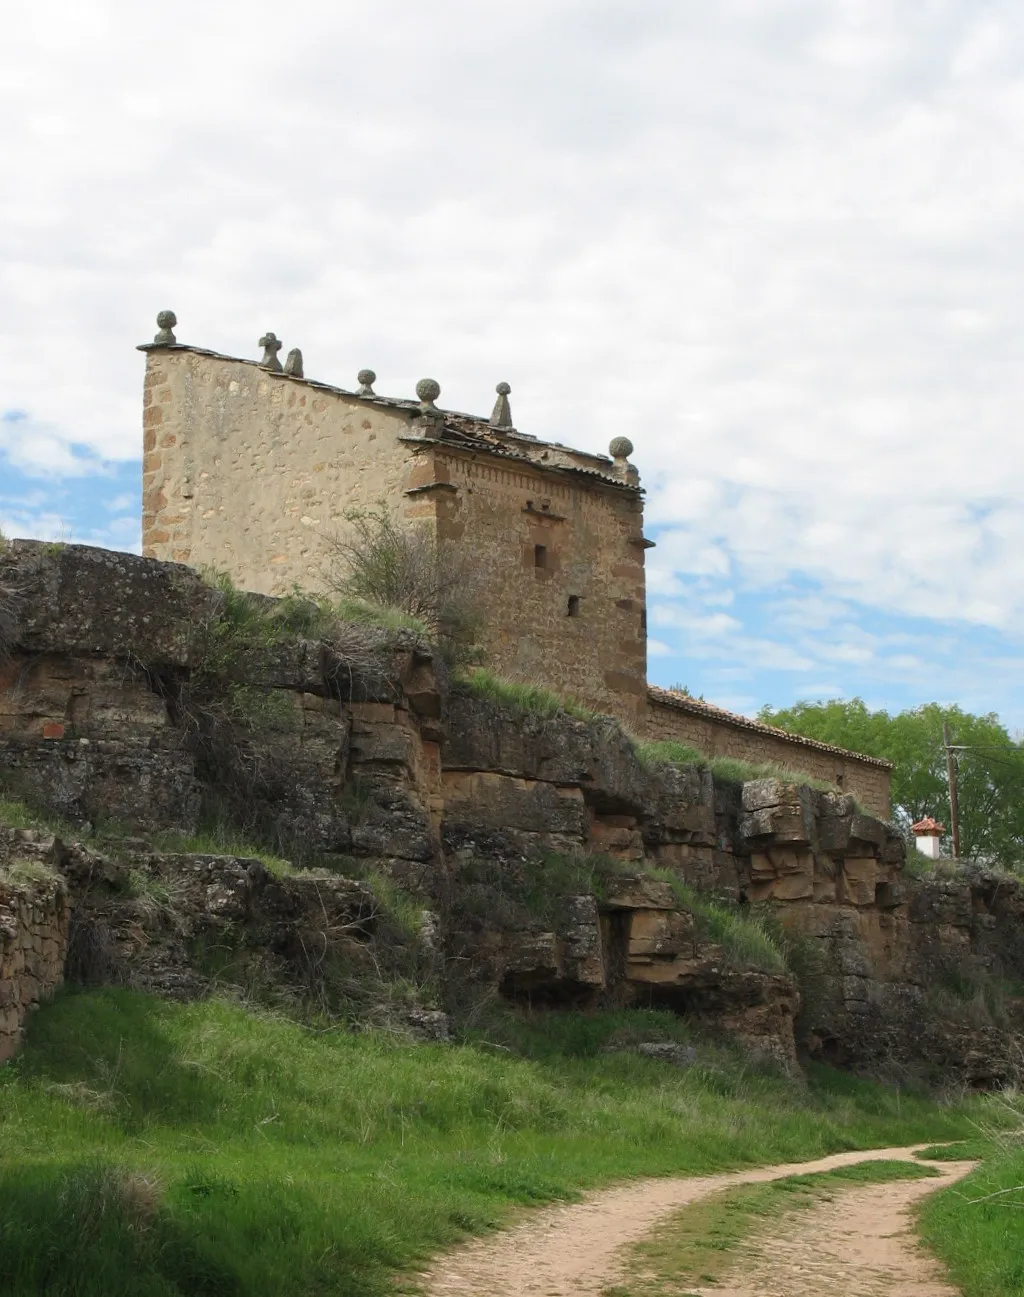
574,605
540,556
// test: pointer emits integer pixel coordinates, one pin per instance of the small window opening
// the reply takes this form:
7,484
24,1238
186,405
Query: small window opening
574,605
529,504
540,556
643,620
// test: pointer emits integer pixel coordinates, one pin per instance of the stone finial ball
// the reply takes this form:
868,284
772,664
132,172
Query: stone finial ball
428,389
503,389
620,448
367,377
166,320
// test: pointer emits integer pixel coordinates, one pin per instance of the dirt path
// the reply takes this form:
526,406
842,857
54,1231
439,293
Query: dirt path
860,1245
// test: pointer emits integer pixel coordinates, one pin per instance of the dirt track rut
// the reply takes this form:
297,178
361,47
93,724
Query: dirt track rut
859,1245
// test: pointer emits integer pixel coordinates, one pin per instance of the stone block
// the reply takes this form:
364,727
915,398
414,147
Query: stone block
385,744
483,735
824,889
639,892
492,800
291,664
794,887
582,948
834,834
660,933
783,823
858,880
680,801
855,989
74,599
146,781
865,828
615,839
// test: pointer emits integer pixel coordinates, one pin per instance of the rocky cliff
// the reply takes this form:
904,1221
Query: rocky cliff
137,700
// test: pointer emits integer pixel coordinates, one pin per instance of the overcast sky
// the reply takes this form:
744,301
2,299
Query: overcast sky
777,244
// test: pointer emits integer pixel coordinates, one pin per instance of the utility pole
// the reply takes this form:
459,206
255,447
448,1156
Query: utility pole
954,804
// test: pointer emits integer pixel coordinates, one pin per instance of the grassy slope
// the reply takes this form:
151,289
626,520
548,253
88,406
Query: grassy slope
153,1148
982,1243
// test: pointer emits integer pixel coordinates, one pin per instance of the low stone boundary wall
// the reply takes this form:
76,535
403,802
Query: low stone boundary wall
718,733
33,944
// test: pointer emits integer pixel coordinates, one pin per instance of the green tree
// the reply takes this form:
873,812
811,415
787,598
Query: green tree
990,766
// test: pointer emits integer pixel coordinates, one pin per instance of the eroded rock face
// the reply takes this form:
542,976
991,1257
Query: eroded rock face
80,602
111,708
178,924
902,977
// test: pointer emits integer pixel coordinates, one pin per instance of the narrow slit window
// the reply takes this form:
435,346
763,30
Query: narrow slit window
574,605
540,556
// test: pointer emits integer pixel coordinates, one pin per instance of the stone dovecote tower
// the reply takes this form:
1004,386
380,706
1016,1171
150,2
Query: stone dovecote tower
248,466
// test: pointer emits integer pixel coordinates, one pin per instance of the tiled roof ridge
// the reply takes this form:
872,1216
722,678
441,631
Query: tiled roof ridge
928,825
670,698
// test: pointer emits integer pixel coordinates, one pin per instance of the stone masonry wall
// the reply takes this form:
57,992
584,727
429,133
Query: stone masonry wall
246,472
33,944
559,573
715,734
244,469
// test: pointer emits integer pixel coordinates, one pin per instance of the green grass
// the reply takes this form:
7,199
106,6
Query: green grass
696,1246
28,873
667,752
748,939
220,840
362,612
154,1148
960,1150
522,697
977,1226
253,619
16,815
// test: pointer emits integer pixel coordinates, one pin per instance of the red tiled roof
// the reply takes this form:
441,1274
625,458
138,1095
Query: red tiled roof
928,826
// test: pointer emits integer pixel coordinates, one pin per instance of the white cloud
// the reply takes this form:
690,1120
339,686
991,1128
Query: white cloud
775,243
42,449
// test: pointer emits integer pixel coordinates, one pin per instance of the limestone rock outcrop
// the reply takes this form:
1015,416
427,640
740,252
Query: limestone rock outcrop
130,698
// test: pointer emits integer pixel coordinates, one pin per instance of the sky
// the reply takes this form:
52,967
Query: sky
774,242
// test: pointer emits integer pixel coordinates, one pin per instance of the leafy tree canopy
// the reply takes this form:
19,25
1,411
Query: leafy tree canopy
990,766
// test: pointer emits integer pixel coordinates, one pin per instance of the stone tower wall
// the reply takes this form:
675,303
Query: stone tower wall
244,470
558,570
